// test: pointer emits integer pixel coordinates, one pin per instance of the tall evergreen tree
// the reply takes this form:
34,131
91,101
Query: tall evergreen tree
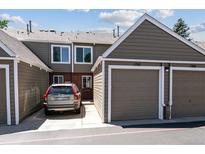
182,28
3,23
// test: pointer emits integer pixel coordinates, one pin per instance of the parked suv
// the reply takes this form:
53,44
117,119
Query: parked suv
62,97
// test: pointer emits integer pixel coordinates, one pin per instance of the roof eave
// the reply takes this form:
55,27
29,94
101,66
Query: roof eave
156,23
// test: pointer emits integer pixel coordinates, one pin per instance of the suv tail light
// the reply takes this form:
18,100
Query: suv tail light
75,93
45,96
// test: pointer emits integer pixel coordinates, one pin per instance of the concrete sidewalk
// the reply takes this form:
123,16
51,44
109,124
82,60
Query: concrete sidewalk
89,118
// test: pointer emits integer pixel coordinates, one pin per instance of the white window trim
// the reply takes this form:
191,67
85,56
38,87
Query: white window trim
91,62
66,46
85,76
161,85
58,78
171,81
8,103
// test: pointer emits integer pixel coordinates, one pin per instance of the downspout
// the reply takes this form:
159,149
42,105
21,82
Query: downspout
72,46
16,91
170,91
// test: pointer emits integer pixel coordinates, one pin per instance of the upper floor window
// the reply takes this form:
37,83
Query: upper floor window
83,55
60,54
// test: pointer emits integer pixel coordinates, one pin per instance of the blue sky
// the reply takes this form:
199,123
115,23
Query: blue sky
105,20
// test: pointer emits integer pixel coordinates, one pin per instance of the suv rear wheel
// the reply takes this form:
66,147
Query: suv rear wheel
77,111
47,112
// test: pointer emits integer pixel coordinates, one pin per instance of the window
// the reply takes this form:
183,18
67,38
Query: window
86,81
83,55
58,79
60,54
55,90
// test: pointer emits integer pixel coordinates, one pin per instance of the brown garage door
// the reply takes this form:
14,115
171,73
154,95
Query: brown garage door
2,96
134,94
188,94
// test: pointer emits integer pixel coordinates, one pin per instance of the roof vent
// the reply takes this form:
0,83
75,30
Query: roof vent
61,33
52,30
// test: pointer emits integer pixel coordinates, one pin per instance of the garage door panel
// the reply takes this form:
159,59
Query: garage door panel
134,94
188,94
2,96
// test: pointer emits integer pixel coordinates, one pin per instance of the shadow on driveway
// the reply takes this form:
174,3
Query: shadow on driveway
36,120
170,125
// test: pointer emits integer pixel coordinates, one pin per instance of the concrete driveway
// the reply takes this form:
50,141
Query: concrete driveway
89,118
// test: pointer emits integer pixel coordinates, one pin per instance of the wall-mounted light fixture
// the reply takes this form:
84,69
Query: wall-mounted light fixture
166,69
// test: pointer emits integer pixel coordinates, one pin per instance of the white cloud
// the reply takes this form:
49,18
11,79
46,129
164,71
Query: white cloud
166,13
15,19
19,21
122,18
198,28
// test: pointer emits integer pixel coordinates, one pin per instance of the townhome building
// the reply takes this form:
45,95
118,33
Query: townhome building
149,72
70,55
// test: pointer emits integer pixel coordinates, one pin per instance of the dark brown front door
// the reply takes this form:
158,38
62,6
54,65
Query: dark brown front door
87,93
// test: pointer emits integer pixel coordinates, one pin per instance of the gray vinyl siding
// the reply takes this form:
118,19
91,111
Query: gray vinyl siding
11,77
3,115
98,50
33,83
3,53
43,51
150,42
98,92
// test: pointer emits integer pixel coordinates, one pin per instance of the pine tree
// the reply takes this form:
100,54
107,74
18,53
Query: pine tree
182,28
3,23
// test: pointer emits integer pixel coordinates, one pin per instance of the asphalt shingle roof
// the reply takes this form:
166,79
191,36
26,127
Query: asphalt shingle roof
21,51
62,37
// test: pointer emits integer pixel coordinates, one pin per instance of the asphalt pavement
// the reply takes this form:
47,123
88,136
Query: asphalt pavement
165,134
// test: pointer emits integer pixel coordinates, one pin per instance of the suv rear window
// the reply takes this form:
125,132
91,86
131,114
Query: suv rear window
55,90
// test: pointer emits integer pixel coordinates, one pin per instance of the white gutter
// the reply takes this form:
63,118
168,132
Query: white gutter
100,58
39,66
144,60
7,58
